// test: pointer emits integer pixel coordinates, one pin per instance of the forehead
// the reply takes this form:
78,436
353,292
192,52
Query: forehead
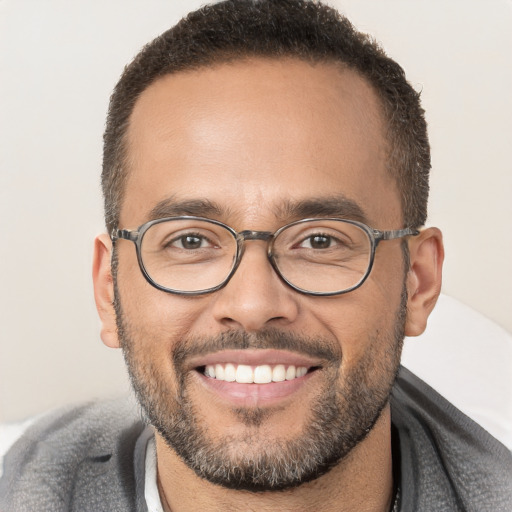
253,135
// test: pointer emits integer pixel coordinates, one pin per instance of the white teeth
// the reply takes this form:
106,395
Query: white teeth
301,371
262,374
279,373
230,373
244,374
290,373
219,371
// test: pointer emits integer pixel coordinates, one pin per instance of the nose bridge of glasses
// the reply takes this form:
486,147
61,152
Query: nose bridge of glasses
243,236
255,235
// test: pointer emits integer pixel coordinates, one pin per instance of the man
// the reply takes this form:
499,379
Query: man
265,180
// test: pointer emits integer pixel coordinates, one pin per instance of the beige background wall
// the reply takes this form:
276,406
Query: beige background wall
58,63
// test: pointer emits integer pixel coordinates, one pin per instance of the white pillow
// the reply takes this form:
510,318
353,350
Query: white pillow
467,358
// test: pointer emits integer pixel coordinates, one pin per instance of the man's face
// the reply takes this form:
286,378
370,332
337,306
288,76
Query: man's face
248,144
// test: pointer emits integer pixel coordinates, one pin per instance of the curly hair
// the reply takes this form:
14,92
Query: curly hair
302,29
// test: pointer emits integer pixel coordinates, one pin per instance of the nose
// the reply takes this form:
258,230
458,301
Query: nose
255,297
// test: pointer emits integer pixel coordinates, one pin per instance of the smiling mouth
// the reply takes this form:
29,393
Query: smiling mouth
261,374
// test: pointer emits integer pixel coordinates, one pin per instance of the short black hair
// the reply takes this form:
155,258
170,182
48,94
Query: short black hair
303,29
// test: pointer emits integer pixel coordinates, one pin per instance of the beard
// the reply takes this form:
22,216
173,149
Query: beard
347,405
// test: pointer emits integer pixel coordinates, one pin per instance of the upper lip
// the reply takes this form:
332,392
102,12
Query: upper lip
255,357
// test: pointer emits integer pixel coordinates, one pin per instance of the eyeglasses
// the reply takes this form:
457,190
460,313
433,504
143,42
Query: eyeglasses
192,255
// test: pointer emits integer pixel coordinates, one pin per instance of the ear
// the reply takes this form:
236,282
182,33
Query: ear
104,290
426,254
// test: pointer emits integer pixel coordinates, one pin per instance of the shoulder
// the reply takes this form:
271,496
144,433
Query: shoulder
444,455
9,434
70,454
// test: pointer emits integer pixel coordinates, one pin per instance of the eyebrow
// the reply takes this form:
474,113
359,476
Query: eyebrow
170,207
337,206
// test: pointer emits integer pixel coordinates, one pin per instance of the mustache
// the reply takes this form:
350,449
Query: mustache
315,347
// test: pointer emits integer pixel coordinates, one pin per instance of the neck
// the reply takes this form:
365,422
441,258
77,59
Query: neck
363,481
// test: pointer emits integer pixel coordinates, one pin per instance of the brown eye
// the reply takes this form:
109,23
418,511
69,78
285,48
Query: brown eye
190,242
320,242
317,242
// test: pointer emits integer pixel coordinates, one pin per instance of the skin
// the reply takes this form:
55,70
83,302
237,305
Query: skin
251,136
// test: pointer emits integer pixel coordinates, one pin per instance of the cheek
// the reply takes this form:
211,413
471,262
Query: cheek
153,316
151,325
157,320
364,321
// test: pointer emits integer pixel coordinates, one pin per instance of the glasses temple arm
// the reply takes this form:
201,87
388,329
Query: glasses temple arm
397,233
125,234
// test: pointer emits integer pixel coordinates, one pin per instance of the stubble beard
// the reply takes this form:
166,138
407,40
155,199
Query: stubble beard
344,413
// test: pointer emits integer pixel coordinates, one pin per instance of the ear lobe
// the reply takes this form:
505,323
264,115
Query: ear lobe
424,278
104,290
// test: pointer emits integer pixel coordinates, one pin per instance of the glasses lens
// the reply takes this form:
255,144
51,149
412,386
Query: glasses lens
323,256
188,255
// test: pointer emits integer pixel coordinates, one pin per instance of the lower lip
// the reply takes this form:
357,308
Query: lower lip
244,395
